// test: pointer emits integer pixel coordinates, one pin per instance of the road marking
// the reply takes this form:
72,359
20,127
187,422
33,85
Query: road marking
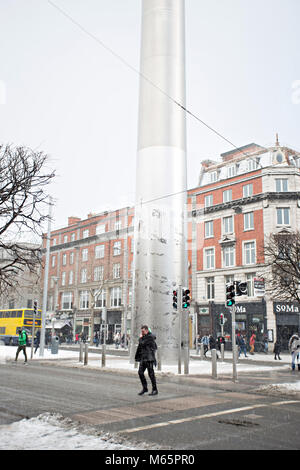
207,415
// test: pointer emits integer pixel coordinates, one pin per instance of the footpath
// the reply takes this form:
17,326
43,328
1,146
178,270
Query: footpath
259,370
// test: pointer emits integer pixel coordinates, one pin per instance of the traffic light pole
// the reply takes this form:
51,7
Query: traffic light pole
234,355
179,307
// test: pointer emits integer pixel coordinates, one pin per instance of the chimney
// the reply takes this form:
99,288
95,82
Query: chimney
73,220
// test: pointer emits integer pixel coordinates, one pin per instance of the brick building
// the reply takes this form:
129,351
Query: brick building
239,200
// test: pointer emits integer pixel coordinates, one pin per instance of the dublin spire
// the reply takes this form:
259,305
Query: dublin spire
160,254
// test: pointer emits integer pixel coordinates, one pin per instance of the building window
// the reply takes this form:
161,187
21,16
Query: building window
253,164
54,242
231,171
100,229
248,221
116,270
281,185
209,257
249,253
228,256
72,237
85,254
53,261
213,176
227,195
248,190
118,225
115,297
71,277
209,228
84,299
71,258
98,273
208,200
65,238
100,300
99,251
250,284
85,233
229,279
66,300
283,215
228,224
64,259
63,279
117,248
83,276
210,288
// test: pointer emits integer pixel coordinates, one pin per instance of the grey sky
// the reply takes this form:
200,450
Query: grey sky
62,92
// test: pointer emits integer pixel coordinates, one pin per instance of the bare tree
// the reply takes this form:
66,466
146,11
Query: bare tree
23,210
282,254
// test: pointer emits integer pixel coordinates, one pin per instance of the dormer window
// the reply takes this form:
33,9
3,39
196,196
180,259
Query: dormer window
213,176
231,171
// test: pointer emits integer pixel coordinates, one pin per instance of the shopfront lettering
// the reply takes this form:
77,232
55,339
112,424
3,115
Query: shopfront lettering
287,308
240,309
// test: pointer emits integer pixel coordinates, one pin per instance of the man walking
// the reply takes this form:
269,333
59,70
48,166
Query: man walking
145,355
294,348
22,344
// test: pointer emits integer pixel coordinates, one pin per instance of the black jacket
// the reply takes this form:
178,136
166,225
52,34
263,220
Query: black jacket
146,349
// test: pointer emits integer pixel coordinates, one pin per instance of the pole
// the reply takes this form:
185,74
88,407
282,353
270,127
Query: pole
46,274
214,363
179,306
33,327
234,369
104,317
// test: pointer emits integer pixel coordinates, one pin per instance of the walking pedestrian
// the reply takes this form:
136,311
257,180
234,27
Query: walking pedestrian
205,342
37,340
252,343
242,346
145,355
212,343
22,344
294,348
277,349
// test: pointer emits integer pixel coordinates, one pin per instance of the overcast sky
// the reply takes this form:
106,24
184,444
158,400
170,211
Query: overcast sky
62,93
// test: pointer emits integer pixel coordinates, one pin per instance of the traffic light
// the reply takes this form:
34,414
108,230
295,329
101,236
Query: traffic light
175,299
241,288
185,298
230,293
221,318
35,307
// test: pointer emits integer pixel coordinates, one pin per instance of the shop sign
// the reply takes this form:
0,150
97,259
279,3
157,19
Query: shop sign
286,308
259,287
204,311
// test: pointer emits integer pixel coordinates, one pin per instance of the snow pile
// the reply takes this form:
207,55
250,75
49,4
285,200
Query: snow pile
284,388
54,432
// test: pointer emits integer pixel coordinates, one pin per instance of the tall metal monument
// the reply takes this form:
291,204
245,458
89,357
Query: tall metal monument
160,262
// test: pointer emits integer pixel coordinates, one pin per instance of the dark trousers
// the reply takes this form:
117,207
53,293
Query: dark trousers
21,348
143,366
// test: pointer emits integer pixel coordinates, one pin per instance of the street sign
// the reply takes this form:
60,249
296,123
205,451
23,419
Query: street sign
259,287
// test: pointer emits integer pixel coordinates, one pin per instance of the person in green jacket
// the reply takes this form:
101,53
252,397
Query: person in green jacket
22,344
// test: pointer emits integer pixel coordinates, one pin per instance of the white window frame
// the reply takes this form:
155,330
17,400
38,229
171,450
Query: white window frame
65,238
72,257
227,195
228,254
248,190
281,185
250,284
83,275
224,224
209,229
85,233
99,251
209,200
248,221
83,299
213,176
116,271
209,257
63,278
64,259
115,297
100,300
101,228
85,254
53,261
73,237
250,251
66,300
71,277
231,171
117,248
99,273
210,288
283,211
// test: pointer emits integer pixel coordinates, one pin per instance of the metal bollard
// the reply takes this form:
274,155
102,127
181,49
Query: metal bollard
214,363
222,351
80,352
86,353
158,358
103,358
202,351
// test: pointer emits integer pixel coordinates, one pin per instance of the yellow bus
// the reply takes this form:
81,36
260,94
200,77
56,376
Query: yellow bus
13,319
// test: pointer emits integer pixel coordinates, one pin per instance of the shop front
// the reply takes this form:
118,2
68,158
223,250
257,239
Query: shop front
250,317
287,316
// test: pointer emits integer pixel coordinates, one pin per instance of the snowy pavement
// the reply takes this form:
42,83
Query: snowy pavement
55,432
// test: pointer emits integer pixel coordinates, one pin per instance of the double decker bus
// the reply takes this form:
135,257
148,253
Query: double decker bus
13,319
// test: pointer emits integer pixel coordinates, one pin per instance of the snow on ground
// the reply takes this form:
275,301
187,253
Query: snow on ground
53,432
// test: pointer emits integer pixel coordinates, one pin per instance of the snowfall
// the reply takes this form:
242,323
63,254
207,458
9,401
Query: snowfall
55,432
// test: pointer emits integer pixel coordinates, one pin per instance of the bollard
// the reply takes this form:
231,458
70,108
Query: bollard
214,363
103,358
222,351
86,353
202,351
80,352
158,358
